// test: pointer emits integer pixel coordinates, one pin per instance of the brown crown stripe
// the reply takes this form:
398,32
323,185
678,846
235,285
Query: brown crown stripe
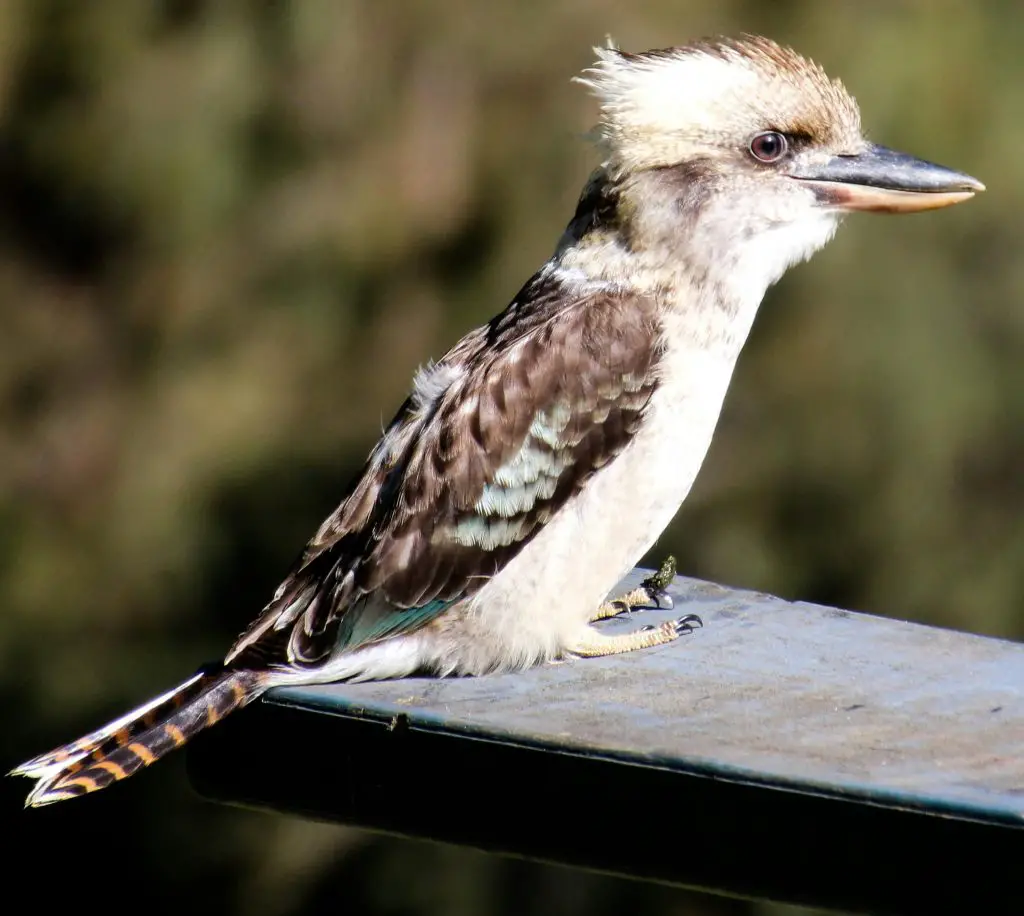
142,752
175,734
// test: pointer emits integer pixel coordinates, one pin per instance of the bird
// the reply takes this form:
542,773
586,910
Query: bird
534,464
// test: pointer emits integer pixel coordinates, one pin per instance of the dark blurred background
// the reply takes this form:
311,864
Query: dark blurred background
230,232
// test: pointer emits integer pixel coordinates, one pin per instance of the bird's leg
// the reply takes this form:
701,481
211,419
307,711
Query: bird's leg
592,643
650,592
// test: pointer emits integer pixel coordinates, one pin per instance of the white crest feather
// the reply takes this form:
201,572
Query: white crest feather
664,106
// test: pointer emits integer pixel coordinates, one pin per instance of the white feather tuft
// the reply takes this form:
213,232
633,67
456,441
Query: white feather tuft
431,383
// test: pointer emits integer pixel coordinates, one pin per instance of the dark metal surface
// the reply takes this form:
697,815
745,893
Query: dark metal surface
841,737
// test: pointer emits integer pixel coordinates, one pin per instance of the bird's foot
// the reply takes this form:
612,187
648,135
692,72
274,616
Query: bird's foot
651,593
592,643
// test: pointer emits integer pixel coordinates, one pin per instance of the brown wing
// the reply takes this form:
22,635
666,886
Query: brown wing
522,412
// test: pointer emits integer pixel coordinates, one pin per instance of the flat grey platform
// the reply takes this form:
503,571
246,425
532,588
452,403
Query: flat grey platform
780,738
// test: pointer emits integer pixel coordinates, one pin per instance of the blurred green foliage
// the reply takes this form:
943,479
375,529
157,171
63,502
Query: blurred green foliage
229,233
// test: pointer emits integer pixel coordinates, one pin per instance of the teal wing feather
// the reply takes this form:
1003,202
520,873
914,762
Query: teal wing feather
360,629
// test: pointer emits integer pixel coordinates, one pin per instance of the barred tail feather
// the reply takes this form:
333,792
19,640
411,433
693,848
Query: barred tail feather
67,754
139,738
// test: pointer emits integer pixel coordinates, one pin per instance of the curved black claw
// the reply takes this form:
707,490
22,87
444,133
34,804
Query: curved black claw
684,625
688,624
656,584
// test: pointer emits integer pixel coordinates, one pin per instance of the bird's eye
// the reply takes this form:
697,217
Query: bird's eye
769,146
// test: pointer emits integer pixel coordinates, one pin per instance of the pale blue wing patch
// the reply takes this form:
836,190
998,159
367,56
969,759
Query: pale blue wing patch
548,425
489,532
504,510
508,499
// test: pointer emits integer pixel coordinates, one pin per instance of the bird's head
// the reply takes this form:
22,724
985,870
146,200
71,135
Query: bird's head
747,151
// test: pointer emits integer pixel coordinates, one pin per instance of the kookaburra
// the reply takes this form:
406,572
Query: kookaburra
538,460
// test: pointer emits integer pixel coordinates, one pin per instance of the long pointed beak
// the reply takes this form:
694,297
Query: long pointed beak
885,181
